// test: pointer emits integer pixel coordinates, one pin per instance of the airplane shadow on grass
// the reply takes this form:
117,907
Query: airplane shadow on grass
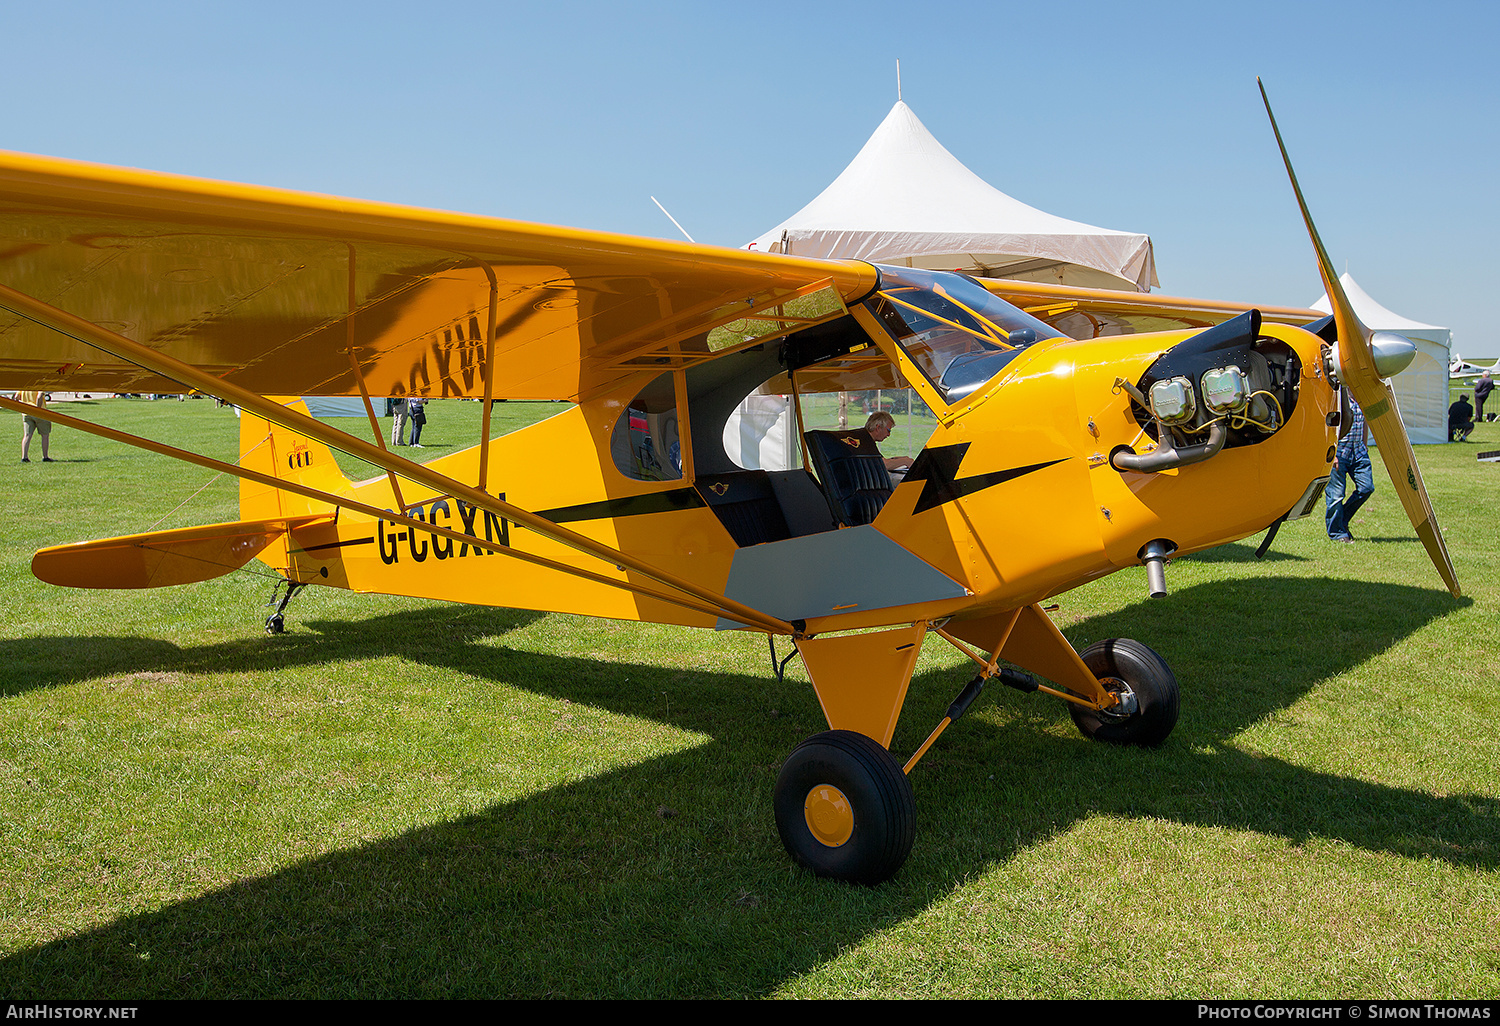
1241,552
589,889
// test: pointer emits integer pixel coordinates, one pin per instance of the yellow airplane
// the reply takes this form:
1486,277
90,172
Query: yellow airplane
1054,459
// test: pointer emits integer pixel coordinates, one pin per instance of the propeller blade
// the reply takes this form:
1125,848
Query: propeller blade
1358,373
1401,463
1356,359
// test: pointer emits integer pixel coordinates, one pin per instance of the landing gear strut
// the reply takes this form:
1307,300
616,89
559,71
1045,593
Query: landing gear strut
844,805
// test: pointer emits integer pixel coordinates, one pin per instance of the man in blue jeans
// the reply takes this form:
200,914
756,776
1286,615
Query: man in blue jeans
1351,460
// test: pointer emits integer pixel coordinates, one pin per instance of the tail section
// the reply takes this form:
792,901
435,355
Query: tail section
268,517
159,559
288,456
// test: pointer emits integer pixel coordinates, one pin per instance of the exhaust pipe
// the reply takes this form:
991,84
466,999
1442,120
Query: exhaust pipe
1165,457
1154,554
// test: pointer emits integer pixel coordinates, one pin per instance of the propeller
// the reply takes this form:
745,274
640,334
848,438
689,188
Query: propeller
1361,360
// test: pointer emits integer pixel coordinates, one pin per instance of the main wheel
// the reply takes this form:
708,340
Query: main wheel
1147,711
844,809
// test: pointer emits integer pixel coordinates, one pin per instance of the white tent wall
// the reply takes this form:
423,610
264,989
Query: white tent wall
324,406
761,434
1422,394
1422,389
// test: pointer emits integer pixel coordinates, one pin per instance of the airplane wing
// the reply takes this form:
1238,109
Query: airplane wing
1093,313
271,290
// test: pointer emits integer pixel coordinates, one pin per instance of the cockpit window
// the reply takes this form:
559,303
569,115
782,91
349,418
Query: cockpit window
954,330
645,444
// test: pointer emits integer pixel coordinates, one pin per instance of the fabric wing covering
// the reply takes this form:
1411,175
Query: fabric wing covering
271,289
906,200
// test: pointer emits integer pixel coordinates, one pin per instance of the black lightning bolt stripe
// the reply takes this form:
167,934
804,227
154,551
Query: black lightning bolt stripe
338,544
631,506
937,469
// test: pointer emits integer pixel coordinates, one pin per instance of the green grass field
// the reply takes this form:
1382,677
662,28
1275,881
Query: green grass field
401,798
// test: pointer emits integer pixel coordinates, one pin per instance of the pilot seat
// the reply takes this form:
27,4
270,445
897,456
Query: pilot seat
849,465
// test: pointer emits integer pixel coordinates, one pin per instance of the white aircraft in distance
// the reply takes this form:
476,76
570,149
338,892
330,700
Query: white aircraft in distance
1458,367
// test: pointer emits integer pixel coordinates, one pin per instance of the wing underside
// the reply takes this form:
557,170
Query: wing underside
272,290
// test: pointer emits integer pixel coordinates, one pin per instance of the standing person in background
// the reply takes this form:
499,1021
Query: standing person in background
398,420
1351,460
1482,389
31,425
416,412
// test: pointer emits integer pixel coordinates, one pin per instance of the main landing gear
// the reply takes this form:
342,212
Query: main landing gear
1148,698
844,806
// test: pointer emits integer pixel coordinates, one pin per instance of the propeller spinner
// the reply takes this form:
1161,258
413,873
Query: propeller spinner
1363,362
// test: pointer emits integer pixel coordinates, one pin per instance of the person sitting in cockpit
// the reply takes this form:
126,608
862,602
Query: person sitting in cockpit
880,425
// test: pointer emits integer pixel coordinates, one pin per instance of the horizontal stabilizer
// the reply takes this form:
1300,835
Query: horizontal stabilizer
161,558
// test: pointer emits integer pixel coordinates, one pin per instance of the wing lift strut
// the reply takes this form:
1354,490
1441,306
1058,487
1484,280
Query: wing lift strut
658,584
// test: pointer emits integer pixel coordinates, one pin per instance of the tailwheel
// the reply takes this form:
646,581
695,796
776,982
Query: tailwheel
1147,710
844,808
276,622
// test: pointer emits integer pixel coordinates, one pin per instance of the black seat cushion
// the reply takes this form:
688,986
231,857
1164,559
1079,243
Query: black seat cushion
746,505
853,473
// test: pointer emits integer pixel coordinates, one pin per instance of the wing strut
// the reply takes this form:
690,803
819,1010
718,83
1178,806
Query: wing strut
489,376
149,359
209,463
359,378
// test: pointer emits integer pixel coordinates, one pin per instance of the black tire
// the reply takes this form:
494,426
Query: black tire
881,809
1127,667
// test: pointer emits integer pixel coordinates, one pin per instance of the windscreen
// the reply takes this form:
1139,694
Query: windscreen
953,328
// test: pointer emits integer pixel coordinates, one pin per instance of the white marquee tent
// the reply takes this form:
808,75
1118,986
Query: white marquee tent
1422,389
906,200
325,406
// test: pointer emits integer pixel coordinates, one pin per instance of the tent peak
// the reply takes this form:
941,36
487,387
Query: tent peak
1372,312
905,199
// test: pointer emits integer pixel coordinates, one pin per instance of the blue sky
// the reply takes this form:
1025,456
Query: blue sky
1138,117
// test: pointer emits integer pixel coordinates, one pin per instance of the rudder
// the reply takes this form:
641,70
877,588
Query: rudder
287,456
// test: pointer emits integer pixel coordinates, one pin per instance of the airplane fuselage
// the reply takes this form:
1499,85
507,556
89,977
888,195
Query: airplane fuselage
1013,498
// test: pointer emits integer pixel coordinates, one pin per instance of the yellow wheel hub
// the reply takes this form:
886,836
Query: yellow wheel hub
829,815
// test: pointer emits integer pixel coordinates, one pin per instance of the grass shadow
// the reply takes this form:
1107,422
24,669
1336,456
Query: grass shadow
1241,552
664,878
54,661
